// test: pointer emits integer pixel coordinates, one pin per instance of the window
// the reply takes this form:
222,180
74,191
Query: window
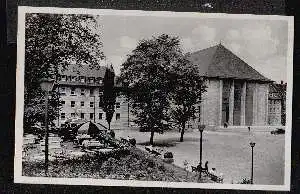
72,91
73,78
82,92
82,115
118,116
91,79
91,104
100,80
62,103
63,78
82,79
82,103
91,115
117,104
91,92
63,116
62,91
72,114
100,93
72,103
100,115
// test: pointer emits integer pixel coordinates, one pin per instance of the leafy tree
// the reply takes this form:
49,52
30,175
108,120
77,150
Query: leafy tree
53,41
109,94
148,72
187,93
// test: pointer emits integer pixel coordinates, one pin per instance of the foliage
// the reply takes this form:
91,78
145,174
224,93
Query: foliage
148,72
109,94
53,41
168,155
245,181
187,93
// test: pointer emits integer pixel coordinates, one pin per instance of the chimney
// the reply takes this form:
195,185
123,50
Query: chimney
281,82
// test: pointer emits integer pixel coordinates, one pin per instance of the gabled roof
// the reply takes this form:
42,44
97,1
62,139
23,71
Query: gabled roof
219,62
83,70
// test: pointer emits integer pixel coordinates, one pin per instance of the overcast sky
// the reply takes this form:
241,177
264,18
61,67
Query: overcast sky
260,43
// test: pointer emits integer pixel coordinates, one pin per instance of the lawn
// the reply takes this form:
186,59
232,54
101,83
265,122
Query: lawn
229,152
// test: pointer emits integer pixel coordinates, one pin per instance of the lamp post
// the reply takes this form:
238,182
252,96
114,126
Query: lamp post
201,128
46,86
252,144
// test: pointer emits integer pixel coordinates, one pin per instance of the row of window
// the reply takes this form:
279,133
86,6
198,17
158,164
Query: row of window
73,103
81,79
62,91
82,115
273,109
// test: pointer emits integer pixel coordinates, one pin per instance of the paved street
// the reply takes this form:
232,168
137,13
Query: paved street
228,152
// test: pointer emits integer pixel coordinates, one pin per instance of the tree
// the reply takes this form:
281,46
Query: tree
148,72
109,94
187,93
53,41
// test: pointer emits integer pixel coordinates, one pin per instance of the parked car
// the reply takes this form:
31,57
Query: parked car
278,131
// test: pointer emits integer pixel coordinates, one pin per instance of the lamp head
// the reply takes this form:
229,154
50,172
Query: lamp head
252,144
201,128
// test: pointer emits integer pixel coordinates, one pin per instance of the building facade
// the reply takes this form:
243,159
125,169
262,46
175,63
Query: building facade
277,104
236,93
81,93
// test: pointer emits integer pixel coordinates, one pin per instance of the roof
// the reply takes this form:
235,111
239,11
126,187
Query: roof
219,62
83,70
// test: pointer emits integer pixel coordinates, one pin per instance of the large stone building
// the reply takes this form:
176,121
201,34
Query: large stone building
236,93
81,91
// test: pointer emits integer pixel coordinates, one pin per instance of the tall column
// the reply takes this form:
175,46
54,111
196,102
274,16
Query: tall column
231,103
254,112
243,104
267,105
220,102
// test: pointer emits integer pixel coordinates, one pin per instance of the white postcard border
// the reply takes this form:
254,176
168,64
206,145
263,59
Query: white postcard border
18,178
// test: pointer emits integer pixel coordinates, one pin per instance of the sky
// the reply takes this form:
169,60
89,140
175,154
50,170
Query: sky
260,43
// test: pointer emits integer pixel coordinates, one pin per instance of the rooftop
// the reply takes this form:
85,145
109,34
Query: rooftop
220,62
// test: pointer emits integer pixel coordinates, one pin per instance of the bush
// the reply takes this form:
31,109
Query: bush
132,141
168,155
245,181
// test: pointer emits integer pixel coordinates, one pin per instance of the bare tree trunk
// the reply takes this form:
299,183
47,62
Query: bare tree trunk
151,137
182,132
109,126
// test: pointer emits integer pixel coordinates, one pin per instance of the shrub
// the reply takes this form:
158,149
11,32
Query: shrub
245,181
168,155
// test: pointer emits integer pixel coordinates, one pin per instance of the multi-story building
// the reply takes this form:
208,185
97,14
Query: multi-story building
81,92
277,99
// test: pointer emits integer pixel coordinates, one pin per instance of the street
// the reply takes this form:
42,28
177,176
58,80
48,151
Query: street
228,152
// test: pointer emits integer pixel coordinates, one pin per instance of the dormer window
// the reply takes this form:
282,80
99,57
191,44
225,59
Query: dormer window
99,80
63,78
82,79
91,80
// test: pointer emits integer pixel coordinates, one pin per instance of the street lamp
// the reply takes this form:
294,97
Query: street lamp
47,86
201,128
252,144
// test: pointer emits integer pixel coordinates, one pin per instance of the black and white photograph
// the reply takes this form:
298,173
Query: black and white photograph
153,99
